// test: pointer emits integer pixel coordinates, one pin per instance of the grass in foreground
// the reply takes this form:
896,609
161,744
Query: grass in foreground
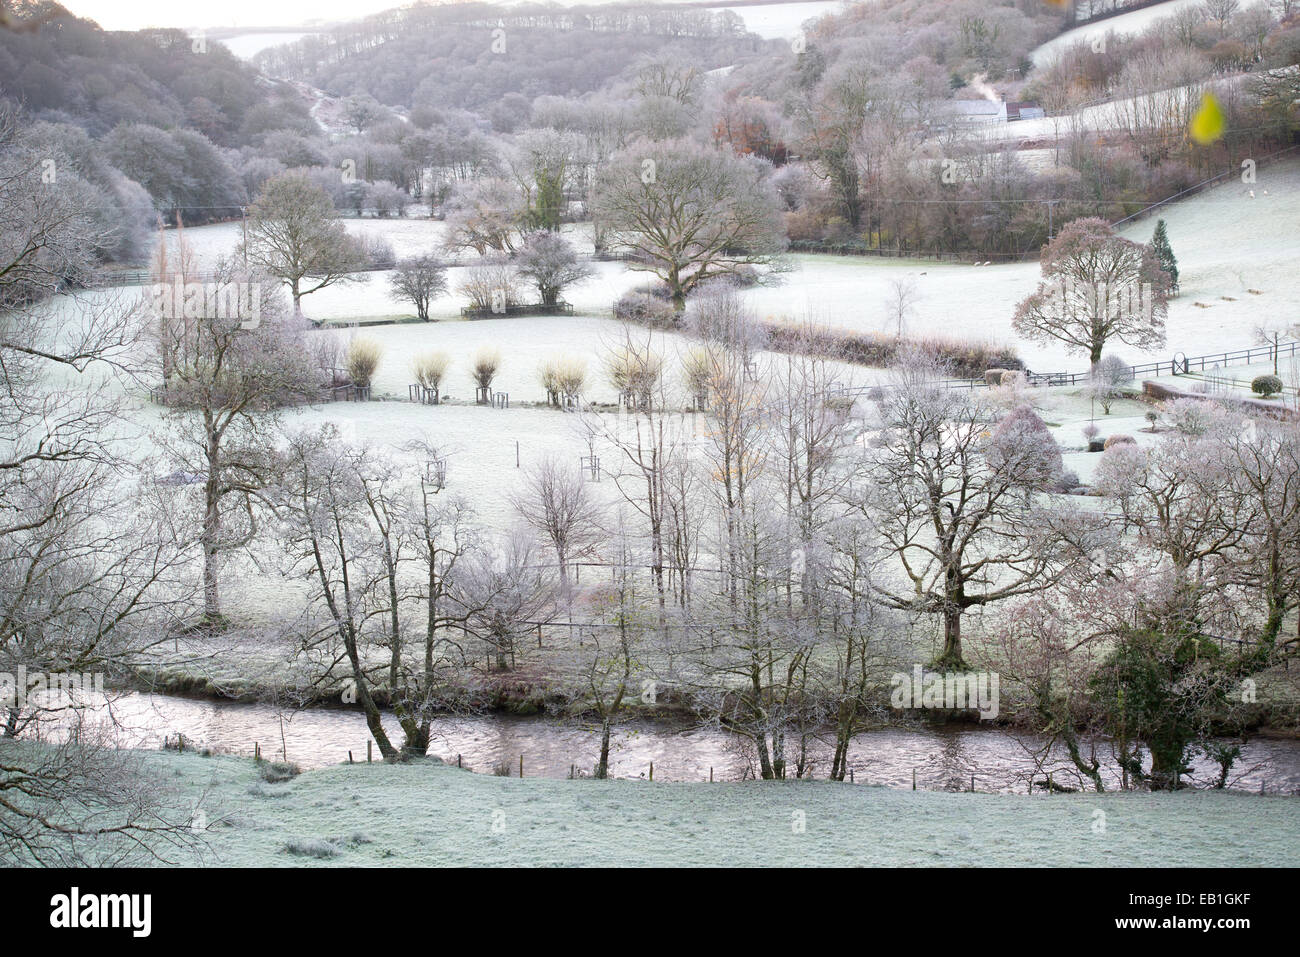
430,814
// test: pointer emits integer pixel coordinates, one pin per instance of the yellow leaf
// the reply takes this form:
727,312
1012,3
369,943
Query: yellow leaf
1209,123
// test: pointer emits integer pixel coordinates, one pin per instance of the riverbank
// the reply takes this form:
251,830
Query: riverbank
236,667
430,814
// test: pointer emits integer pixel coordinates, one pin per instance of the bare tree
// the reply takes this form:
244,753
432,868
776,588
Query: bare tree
90,578
294,235
1096,287
225,374
900,302
549,262
419,280
959,524
688,213
561,507
507,593
605,664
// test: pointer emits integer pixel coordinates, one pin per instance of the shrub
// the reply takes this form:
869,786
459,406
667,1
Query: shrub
490,283
571,376
1023,445
1193,416
697,372
311,847
965,357
487,362
429,368
562,377
273,772
1113,369
644,308
656,288
634,372
362,360
548,378
1119,438
1108,379
1266,385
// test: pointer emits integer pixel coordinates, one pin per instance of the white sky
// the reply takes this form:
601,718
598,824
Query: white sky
135,14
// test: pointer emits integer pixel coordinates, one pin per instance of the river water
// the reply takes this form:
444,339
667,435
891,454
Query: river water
942,757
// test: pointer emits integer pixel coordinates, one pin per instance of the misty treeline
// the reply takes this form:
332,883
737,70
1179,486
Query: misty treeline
462,112
858,120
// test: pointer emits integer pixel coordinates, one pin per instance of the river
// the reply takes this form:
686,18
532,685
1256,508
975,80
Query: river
942,757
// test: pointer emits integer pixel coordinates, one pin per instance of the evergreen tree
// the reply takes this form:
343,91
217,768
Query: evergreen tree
1165,255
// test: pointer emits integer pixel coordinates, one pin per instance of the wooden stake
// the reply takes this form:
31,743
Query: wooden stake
369,754
521,765
350,757
913,779
652,770
710,774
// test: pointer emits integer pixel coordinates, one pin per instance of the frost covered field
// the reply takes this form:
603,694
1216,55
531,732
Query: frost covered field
1228,243
383,815
1125,23
1238,251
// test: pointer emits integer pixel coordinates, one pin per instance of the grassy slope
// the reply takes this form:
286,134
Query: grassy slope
435,815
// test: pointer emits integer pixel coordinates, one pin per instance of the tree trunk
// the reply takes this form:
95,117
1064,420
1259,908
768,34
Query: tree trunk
211,530
602,766
951,656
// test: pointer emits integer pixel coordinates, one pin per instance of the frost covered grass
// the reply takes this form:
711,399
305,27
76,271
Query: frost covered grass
426,813
1126,24
1231,281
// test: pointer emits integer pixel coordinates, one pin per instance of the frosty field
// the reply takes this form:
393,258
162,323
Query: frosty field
1231,282
427,814
1125,23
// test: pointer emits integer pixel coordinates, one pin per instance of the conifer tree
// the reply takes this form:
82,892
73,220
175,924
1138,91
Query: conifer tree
1165,255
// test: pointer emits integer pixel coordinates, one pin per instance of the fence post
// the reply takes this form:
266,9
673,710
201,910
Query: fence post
521,765
369,751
